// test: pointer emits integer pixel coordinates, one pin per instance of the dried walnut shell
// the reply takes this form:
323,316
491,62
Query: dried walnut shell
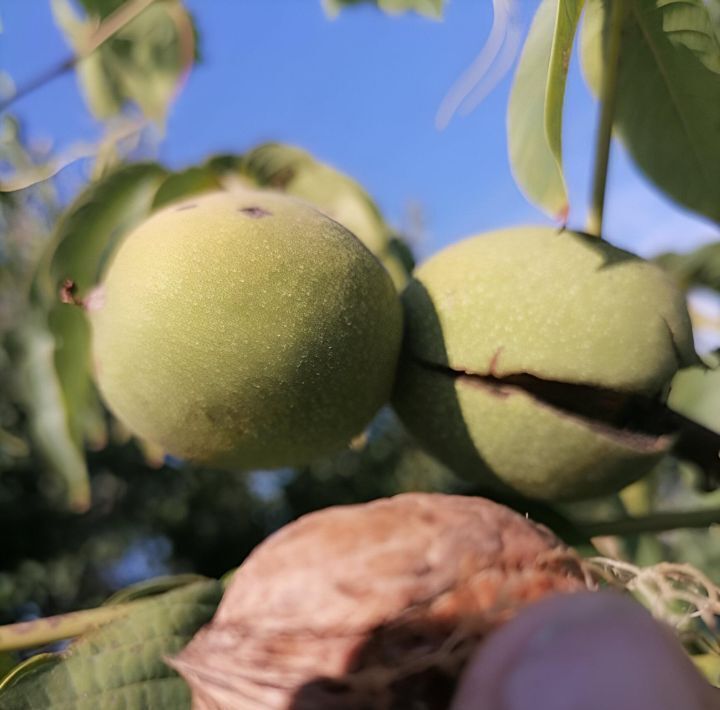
376,605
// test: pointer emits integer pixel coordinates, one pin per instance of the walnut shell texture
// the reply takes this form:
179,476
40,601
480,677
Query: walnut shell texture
372,606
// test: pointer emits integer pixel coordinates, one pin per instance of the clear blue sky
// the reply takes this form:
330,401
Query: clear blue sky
361,92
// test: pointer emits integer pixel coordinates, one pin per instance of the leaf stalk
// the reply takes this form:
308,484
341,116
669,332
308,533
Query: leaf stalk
608,102
40,632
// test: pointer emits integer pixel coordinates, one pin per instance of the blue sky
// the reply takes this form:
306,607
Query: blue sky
361,92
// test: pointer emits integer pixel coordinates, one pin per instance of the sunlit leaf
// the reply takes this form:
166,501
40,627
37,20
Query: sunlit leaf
91,226
76,28
153,587
689,24
42,396
429,8
696,268
143,62
536,106
668,100
120,664
84,238
185,183
696,394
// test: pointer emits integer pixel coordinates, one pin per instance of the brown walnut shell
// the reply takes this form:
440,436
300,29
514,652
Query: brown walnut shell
372,606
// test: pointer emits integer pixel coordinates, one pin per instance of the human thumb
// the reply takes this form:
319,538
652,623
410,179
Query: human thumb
587,651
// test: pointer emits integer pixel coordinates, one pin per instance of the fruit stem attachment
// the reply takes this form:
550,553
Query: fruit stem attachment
68,294
40,632
608,100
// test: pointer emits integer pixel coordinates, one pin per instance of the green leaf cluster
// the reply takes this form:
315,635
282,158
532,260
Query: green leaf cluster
667,98
142,62
121,663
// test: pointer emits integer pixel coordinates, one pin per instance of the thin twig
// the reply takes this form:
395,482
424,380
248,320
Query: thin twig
608,97
657,522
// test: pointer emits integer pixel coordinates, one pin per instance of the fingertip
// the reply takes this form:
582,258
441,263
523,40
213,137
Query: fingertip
591,650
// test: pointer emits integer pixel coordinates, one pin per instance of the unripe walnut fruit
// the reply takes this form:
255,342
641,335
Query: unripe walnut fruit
377,605
531,356
245,329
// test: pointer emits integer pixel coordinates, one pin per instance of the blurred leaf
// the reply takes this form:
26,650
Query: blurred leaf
689,24
668,100
77,30
38,173
536,106
297,173
84,238
99,87
28,670
709,665
120,664
429,8
696,268
714,10
71,333
92,225
696,394
143,61
7,663
188,182
43,398
153,587
101,8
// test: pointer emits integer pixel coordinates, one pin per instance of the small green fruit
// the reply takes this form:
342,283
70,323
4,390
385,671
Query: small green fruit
529,354
245,329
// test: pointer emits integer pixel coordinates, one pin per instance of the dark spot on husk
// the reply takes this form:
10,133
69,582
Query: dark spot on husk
185,207
255,212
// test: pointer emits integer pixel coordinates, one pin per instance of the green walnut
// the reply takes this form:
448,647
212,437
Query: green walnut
535,358
245,329
294,171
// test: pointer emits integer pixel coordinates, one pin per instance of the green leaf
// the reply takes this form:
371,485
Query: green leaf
120,664
8,663
668,100
43,400
71,334
77,30
152,587
89,229
696,268
101,8
98,86
29,669
695,393
185,183
536,106
688,24
85,236
429,8
143,62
